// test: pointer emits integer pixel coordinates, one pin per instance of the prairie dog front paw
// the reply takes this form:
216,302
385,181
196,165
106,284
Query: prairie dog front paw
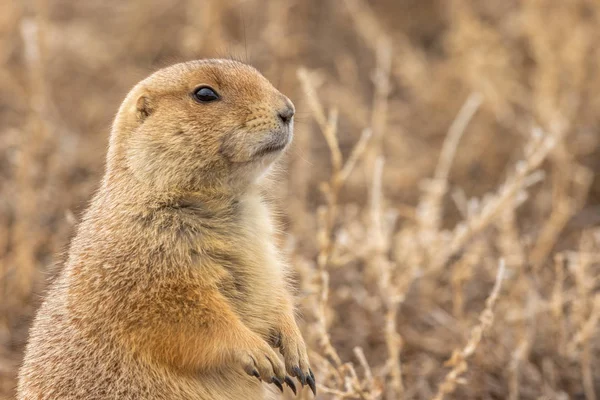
294,352
261,361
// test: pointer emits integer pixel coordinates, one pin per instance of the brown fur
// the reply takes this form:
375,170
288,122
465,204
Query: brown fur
173,288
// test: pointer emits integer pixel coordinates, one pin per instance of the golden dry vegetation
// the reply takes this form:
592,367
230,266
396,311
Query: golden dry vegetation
441,202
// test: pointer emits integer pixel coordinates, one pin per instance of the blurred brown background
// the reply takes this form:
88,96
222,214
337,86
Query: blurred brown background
485,145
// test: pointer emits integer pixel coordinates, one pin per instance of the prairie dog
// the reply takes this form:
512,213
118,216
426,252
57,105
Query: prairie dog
174,288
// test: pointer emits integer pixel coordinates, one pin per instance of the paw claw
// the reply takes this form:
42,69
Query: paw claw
311,382
262,363
277,383
300,375
290,383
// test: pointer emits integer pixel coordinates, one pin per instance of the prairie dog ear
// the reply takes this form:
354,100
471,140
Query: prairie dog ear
144,107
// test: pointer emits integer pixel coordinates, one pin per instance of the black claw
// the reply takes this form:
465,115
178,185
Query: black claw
311,374
256,374
290,383
277,383
300,375
311,382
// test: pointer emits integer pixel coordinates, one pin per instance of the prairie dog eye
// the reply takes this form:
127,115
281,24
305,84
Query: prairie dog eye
205,94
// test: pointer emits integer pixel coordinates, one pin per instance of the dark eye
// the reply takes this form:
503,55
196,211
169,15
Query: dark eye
204,94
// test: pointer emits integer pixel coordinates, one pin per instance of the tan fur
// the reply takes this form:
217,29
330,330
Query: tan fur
173,288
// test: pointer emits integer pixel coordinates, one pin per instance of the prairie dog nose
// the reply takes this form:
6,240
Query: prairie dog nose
286,113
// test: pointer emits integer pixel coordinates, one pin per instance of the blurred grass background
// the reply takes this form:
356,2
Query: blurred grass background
484,145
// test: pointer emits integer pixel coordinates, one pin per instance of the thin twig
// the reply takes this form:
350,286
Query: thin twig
458,361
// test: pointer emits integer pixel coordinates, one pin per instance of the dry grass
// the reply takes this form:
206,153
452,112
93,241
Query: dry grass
436,140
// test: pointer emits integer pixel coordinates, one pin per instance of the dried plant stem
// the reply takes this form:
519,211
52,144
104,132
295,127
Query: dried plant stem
458,361
390,295
476,223
357,152
558,302
455,133
429,210
559,217
514,369
381,80
360,355
566,206
587,315
462,271
327,216
584,336
509,240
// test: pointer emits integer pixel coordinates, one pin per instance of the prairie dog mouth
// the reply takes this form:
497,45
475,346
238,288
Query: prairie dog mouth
271,148
277,143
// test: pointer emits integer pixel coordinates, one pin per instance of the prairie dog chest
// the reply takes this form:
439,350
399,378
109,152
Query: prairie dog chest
255,279
258,233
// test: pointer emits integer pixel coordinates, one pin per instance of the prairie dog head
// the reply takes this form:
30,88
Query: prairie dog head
201,124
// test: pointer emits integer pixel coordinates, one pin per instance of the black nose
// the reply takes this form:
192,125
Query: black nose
286,114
